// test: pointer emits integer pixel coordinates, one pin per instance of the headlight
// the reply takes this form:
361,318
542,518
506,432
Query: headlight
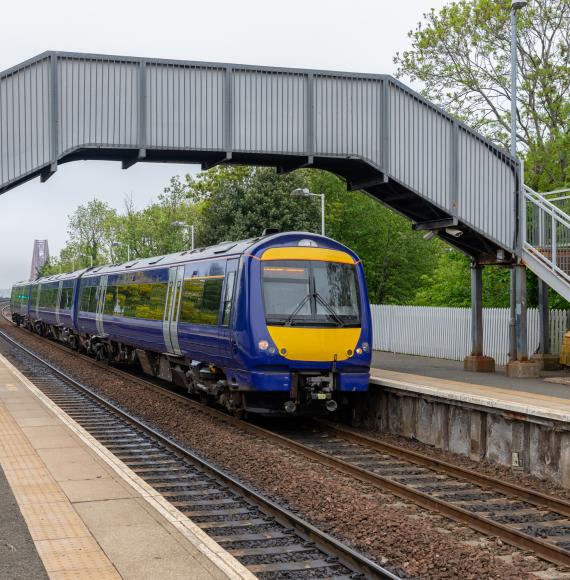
358,350
365,347
263,345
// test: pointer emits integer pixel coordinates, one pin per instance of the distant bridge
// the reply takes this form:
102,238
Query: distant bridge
372,130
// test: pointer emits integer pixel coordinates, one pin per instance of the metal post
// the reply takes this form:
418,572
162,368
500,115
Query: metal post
512,319
514,82
322,214
476,309
128,252
192,234
544,317
521,313
515,326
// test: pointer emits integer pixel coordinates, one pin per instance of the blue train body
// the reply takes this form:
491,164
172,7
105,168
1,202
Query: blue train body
280,323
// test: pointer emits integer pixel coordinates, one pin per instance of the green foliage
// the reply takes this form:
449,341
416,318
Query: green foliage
450,283
394,256
461,55
232,203
240,202
548,168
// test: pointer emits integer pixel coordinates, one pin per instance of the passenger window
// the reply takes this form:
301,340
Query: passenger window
66,298
84,300
136,300
93,299
201,299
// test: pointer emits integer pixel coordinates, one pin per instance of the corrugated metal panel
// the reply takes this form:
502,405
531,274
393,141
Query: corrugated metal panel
421,147
98,103
184,107
486,189
24,120
107,102
445,332
347,116
269,112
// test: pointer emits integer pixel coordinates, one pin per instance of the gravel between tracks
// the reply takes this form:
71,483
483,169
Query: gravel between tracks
408,539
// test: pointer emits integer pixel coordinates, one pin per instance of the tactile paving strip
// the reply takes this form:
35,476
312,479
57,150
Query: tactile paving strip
63,542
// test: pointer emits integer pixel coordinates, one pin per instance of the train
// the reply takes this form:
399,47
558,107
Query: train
275,325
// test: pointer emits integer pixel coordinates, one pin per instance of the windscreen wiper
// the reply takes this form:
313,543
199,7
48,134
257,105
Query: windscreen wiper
329,308
291,316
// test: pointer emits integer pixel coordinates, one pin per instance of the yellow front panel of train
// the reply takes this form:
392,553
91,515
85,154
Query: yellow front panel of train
314,344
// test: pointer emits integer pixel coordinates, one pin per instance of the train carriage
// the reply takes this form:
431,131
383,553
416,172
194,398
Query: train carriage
277,324
19,302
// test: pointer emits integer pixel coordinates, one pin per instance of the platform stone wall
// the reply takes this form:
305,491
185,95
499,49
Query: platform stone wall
480,433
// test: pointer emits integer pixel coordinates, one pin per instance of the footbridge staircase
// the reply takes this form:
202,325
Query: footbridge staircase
546,243
379,135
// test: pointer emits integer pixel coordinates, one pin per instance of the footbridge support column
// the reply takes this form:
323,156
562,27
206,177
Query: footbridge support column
477,362
547,360
522,367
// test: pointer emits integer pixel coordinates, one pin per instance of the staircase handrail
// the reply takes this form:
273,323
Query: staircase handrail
539,200
546,261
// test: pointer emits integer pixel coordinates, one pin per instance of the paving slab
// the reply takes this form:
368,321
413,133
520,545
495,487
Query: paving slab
87,514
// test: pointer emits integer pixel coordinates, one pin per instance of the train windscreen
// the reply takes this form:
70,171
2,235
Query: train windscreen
310,293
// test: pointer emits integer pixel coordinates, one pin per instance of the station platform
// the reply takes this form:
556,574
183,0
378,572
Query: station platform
69,512
518,423
447,379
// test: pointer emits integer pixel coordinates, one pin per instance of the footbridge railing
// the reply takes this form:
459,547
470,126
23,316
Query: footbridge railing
547,241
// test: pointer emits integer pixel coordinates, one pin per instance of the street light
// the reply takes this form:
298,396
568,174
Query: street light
119,244
516,5
304,192
185,226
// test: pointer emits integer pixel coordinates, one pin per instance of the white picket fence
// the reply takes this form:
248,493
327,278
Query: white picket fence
446,332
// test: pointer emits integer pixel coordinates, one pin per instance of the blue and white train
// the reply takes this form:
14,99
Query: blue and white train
276,324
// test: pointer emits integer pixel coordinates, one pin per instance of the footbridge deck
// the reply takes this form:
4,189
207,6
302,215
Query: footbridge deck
379,135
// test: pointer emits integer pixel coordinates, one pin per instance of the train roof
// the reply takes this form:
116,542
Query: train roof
58,277
221,250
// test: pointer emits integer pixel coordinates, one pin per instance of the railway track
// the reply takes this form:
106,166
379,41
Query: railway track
523,518
266,538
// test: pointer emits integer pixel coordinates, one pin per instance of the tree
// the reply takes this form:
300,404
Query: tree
393,255
461,55
92,230
548,168
240,202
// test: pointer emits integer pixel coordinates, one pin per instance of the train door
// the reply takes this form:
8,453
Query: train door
58,302
101,291
226,335
172,309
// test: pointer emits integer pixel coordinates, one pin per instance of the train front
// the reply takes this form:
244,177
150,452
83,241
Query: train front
310,325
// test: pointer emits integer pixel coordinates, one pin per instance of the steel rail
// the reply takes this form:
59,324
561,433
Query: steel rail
535,497
346,555
545,550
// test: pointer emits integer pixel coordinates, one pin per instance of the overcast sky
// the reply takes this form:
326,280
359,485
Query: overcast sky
357,36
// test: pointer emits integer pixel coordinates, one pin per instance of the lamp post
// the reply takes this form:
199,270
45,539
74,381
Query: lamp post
185,226
516,5
517,325
304,192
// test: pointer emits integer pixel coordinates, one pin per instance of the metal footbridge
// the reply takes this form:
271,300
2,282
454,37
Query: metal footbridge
372,130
